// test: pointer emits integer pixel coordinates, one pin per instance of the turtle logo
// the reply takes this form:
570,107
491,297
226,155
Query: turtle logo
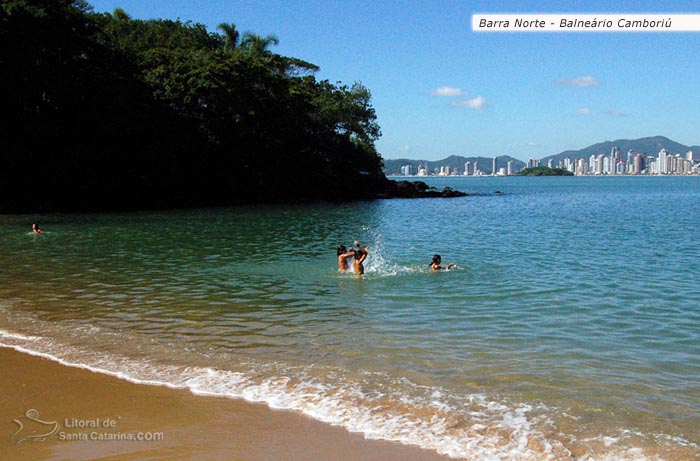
32,428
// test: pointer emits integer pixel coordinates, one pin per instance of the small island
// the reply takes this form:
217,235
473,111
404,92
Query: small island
545,171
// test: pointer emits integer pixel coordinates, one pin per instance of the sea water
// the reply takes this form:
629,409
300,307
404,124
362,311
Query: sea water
569,328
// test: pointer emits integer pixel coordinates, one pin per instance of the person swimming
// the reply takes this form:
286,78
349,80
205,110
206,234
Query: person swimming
360,254
343,256
36,229
435,264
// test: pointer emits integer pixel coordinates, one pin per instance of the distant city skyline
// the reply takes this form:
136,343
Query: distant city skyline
441,89
633,163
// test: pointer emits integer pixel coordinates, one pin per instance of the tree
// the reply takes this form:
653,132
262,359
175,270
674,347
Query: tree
121,15
231,35
257,45
110,112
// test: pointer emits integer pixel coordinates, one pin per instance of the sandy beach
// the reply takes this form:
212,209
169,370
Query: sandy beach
95,416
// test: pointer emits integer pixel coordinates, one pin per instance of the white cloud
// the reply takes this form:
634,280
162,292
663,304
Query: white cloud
447,91
585,111
578,82
478,103
615,113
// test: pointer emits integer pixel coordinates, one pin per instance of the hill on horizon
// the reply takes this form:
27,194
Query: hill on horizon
650,146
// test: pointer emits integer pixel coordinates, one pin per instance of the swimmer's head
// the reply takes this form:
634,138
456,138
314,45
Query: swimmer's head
437,259
341,250
358,254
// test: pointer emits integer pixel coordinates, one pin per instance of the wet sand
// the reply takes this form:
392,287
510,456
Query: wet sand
175,424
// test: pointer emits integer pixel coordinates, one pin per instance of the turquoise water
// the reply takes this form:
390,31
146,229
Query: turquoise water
569,329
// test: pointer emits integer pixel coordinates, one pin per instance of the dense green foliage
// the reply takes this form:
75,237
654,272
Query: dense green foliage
545,171
106,111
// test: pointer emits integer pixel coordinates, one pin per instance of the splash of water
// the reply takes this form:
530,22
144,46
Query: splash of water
377,265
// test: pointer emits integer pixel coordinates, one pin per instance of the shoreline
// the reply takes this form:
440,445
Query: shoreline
89,415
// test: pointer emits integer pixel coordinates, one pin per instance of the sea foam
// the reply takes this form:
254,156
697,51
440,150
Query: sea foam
472,426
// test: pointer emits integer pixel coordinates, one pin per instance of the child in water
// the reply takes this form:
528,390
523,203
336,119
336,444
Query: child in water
343,256
360,256
435,265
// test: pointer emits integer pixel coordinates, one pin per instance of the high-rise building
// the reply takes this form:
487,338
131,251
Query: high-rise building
662,165
581,168
568,165
599,163
678,164
466,168
493,166
615,158
638,164
652,165
510,168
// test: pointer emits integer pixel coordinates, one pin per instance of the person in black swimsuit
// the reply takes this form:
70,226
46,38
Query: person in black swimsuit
435,264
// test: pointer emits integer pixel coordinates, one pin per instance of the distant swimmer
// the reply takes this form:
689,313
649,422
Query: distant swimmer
343,256
36,229
360,254
435,265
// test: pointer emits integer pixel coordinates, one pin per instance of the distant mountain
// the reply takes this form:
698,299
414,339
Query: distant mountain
649,146
455,162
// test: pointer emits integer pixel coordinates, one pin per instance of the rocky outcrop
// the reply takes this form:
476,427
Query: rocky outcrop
418,189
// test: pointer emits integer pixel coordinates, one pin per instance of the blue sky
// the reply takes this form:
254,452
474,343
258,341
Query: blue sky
441,89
